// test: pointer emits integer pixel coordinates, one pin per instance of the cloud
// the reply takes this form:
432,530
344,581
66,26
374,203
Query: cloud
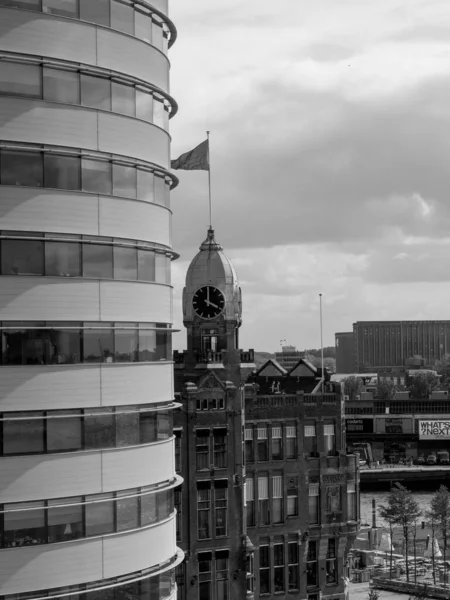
329,154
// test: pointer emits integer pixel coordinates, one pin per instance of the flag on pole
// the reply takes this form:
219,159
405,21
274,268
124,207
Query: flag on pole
195,160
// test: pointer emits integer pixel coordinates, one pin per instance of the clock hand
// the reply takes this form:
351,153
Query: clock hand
207,296
212,304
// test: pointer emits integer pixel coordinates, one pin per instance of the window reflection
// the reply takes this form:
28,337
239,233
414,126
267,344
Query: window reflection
65,522
117,14
19,258
122,17
126,344
20,79
95,92
98,343
123,99
66,8
88,429
64,432
61,86
65,519
22,168
155,587
62,259
68,258
24,435
60,343
99,515
99,430
96,176
95,11
98,261
124,181
62,171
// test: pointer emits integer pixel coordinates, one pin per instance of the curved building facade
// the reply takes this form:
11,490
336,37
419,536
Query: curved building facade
87,467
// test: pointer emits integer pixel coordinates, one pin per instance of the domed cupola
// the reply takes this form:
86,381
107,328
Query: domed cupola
212,305
212,291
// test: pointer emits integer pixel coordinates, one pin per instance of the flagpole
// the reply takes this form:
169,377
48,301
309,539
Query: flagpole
321,342
209,183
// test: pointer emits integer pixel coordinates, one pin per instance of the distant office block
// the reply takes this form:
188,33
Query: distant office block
345,352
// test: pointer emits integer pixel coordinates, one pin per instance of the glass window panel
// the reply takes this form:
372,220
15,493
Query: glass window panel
63,259
146,265
66,8
24,436
65,344
100,515
144,106
163,346
22,257
62,172
125,263
25,527
95,11
148,509
160,192
164,425
123,99
21,168
95,91
24,347
29,4
61,86
99,428
96,176
147,424
158,112
145,186
160,268
65,522
125,343
64,432
124,181
122,17
20,79
142,26
157,35
147,345
98,261
167,195
98,344
127,511
127,428
166,118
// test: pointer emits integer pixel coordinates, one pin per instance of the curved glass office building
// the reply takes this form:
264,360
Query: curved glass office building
86,380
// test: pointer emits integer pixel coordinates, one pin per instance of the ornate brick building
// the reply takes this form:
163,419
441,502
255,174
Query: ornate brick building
269,506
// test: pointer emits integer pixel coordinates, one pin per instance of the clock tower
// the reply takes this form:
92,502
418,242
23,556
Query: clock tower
208,428
212,312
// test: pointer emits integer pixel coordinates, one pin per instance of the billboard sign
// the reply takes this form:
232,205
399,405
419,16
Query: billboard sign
359,425
434,430
394,426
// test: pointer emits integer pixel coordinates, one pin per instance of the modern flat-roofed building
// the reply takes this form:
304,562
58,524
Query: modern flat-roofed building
345,352
381,344
87,472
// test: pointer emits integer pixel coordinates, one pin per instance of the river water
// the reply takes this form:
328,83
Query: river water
423,498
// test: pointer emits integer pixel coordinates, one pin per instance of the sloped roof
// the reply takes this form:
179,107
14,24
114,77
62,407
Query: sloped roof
303,369
271,368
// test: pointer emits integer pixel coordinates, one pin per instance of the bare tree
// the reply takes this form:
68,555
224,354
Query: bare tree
404,511
440,512
389,513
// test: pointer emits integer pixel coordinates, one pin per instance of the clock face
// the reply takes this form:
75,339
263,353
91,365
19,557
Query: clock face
208,302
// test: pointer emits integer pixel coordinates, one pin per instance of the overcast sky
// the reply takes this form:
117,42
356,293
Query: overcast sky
330,144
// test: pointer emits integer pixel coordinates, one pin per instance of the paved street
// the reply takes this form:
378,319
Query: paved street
360,591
